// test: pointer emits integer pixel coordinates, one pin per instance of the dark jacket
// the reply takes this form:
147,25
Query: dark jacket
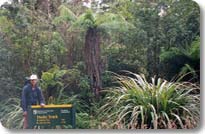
31,97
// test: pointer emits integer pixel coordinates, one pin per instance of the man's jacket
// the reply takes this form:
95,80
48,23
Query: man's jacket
31,97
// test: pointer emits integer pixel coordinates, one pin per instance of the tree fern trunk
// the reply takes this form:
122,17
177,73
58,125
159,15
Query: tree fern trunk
92,59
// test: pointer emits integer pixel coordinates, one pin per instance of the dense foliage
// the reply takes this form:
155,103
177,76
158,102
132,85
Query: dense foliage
75,47
136,103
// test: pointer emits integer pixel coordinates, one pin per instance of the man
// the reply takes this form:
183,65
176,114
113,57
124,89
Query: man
31,95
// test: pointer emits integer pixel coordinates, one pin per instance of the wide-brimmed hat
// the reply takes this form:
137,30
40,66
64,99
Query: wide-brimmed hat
33,77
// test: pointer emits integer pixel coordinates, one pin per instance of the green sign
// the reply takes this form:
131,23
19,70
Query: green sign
51,116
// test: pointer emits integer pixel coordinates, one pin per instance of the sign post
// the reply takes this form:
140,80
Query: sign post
51,116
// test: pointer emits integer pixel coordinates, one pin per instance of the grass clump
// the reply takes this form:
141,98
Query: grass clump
159,104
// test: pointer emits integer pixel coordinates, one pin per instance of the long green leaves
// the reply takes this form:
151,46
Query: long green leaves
11,113
136,103
66,15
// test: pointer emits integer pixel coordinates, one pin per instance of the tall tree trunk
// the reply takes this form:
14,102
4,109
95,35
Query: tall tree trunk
69,41
153,60
149,61
49,7
93,60
157,60
44,6
70,47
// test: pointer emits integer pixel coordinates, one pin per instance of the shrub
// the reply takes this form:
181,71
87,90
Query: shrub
11,113
82,120
135,103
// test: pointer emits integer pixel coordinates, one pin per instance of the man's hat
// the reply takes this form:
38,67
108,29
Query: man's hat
33,77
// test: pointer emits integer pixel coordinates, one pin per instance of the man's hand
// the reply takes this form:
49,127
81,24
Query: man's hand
25,113
42,104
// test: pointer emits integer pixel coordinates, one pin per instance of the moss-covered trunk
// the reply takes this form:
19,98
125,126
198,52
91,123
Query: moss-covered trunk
93,60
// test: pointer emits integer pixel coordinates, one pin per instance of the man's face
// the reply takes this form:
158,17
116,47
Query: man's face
33,82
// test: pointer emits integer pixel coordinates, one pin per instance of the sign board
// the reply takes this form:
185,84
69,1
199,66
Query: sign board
51,116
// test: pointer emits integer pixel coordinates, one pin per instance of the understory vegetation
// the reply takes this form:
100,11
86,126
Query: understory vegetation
123,64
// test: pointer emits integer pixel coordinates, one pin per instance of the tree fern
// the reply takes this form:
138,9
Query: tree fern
65,15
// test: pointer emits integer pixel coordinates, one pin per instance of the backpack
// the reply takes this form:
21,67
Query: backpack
27,81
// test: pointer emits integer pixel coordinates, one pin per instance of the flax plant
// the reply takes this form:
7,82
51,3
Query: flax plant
159,104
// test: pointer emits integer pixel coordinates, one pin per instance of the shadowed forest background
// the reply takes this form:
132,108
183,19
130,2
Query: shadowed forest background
131,64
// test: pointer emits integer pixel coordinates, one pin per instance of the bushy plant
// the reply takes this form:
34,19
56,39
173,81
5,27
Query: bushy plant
82,120
11,113
178,61
57,79
136,103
